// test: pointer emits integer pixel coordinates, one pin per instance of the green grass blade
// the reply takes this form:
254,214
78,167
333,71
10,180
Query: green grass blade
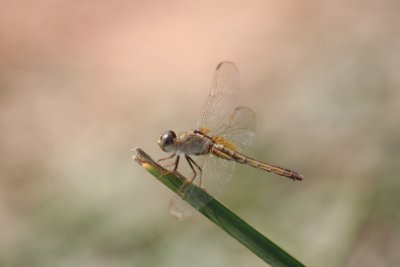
219,214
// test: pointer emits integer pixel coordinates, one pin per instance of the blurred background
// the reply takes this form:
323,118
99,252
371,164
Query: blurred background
82,83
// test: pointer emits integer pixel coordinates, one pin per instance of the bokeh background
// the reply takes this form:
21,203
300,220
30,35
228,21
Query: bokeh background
83,82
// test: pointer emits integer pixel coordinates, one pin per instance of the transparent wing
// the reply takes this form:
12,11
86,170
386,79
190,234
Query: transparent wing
179,208
216,173
220,117
222,98
239,128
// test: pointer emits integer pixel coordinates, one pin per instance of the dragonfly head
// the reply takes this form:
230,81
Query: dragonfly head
167,141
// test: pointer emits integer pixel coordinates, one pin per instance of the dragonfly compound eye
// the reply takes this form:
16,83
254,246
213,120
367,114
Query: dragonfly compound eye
166,139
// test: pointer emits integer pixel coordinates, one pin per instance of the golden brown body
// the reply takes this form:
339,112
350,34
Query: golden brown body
196,142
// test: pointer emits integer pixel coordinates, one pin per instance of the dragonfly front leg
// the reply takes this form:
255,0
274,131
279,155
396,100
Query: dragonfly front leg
170,157
175,163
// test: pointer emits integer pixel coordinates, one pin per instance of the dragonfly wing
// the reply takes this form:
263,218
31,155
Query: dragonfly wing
179,208
218,115
239,128
222,98
216,173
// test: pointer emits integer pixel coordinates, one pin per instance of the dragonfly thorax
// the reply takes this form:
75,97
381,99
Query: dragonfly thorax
188,143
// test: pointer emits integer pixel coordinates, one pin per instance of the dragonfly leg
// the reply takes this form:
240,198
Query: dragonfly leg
191,163
170,157
175,164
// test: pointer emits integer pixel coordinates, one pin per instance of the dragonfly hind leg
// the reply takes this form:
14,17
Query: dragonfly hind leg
191,162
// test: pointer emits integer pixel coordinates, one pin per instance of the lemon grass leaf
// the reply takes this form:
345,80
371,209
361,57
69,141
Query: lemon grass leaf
216,212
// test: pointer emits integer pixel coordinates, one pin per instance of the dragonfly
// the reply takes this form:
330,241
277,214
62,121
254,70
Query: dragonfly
224,131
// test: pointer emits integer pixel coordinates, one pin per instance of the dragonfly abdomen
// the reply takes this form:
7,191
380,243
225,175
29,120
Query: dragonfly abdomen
229,154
